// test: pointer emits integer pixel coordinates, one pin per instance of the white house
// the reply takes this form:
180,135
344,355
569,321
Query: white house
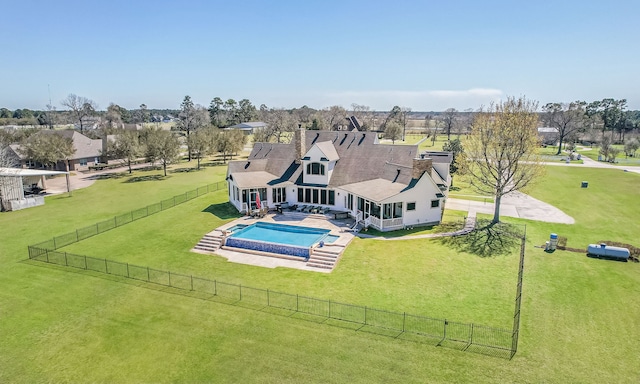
384,186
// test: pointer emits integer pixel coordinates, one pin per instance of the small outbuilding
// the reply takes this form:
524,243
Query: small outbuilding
21,188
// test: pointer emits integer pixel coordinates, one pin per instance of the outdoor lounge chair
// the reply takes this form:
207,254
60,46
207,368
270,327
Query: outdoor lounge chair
301,208
307,209
323,210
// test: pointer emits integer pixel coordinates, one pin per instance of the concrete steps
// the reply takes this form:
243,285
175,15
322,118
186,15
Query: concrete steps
325,257
210,242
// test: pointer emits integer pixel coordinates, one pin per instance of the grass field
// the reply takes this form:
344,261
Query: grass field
58,325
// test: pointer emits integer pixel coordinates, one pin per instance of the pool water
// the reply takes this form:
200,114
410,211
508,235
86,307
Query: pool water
236,227
282,234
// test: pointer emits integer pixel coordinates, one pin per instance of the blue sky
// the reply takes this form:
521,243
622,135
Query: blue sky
426,55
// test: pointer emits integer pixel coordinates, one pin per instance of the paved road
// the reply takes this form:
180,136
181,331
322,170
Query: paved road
590,163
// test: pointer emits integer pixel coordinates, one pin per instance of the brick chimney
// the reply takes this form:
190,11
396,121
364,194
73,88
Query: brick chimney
300,143
421,165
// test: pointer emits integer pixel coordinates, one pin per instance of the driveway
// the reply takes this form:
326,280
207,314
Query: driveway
515,204
84,179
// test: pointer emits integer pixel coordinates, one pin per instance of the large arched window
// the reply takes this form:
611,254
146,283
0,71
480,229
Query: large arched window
315,169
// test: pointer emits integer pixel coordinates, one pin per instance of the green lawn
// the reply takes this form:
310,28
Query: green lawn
61,325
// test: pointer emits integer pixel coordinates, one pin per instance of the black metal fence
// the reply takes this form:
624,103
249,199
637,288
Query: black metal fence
464,336
516,313
126,218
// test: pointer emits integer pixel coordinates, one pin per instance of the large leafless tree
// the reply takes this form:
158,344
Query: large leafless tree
567,118
501,150
80,108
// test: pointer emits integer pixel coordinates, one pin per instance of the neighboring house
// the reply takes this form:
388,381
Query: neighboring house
384,186
88,151
21,188
548,135
248,128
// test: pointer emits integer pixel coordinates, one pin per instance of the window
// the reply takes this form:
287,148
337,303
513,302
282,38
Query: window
83,161
411,206
435,203
279,195
300,195
315,169
323,196
315,196
332,197
307,195
244,195
350,202
397,210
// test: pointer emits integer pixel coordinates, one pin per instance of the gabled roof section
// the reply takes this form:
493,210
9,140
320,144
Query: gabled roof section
329,151
359,158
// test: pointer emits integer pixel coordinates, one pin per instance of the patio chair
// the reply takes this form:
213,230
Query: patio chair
307,209
323,210
301,208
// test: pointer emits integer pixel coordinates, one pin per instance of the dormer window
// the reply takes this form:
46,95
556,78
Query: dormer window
315,169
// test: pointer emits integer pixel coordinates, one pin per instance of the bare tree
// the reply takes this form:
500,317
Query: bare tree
279,122
501,150
404,114
333,116
80,108
568,119
450,121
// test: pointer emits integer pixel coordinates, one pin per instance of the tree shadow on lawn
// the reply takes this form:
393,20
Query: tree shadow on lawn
222,211
185,170
487,239
106,176
137,179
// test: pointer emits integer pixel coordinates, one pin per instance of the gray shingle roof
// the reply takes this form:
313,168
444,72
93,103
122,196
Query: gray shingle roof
360,159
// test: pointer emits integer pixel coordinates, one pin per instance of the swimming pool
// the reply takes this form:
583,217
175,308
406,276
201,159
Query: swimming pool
278,238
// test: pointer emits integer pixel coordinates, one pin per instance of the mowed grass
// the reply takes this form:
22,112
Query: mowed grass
407,276
579,314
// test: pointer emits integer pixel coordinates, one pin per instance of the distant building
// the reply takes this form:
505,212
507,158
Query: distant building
250,127
350,124
90,122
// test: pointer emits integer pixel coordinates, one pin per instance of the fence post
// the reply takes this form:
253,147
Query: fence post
148,279
404,319
77,236
97,229
85,262
54,243
297,302
240,285
127,269
215,288
170,278
46,252
471,338
106,267
365,315
192,282
65,260
329,309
